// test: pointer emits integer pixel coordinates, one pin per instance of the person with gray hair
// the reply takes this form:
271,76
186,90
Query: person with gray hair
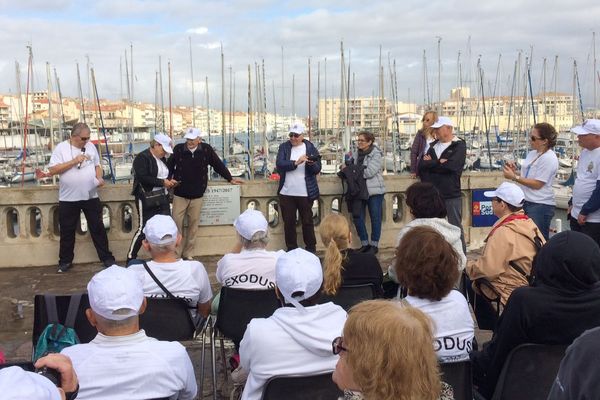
78,164
186,279
121,362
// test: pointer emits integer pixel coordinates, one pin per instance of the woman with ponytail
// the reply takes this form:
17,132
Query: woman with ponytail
343,265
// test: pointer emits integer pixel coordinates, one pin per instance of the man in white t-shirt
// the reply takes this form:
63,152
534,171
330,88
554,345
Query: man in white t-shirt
584,206
121,362
78,164
185,279
296,339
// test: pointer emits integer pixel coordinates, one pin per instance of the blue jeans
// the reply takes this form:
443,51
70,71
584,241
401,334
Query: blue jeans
541,214
375,212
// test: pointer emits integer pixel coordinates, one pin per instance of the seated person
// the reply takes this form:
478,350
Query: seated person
563,302
426,267
121,362
186,279
18,384
343,265
428,208
296,339
386,354
251,265
510,246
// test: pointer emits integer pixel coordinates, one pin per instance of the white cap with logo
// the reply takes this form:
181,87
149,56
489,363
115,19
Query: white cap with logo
116,293
297,127
508,192
193,133
164,141
298,271
589,127
18,384
160,229
441,121
249,222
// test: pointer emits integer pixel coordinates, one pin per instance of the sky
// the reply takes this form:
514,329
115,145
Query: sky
65,32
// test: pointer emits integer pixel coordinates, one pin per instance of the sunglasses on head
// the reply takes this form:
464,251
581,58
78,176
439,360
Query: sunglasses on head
295,135
338,345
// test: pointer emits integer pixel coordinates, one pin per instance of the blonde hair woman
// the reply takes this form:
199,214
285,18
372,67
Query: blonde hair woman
343,265
421,143
386,354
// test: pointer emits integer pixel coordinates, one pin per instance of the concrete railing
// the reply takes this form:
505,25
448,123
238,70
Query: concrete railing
29,232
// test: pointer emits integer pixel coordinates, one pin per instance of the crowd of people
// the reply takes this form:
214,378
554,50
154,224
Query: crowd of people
529,286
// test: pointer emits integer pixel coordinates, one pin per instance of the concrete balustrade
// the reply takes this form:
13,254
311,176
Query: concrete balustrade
29,232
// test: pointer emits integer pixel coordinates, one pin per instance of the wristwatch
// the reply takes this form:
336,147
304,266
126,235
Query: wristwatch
72,395
516,178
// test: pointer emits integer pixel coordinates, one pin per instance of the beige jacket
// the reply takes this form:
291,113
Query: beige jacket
510,241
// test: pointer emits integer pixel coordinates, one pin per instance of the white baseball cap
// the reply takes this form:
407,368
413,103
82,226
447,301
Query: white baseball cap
508,192
589,127
441,121
298,271
249,222
161,229
164,141
116,288
193,133
18,384
297,127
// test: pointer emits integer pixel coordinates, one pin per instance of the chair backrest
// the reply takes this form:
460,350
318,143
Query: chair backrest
238,306
85,331
314,387
26,365
350,295
167,319
529,372
459,376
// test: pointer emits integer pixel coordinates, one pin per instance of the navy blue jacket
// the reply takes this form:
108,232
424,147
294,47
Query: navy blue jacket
284,164
445,177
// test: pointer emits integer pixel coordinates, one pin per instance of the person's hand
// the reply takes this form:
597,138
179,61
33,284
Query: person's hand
508,172
511,165
63,364
427,157
169,183
236,181
80,158
301,159
443,160
413,175
581,219
100,182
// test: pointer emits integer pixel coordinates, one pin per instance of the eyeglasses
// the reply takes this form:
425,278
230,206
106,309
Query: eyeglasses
338,345
295,135
84,138
361,140
533,138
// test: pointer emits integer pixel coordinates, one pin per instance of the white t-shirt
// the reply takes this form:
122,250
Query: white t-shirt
76,184
294,184
439,148
427,144
453,335
541,169
249,269
183,278
163,172
585,183
132,367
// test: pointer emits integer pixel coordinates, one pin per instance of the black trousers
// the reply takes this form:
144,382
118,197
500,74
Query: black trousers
592,229
289,205
144,214
68,218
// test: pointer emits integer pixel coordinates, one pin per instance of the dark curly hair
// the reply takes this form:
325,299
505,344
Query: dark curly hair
426,264
425,201
548,132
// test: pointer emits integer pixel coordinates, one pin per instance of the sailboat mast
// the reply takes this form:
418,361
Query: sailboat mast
50,114
162,99
192,78
222,101
80,90
439,82
207,109
26,126
309,105
170,102
594,73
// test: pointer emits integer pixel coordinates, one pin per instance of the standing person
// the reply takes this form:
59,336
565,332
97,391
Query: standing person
537,175
78,164
421,143
298,163
150,180
189,167
443,166
369,156
584,206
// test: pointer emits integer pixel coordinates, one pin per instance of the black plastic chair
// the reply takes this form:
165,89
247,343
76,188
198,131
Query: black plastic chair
350,295
459,375
26,365
313,387
528,372
85,331
167,319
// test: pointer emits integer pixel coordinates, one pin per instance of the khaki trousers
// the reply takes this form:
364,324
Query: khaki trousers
191,208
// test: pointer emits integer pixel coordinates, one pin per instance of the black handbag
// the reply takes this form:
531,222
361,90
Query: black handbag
153,199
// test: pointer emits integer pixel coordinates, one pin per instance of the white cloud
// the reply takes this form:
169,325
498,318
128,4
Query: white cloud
201,30
210,46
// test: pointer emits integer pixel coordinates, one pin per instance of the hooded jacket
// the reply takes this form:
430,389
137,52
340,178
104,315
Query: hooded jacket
563,302
508,241
290,342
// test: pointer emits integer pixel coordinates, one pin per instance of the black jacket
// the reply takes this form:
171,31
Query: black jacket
357,190
361,269
145,170
563,303
191,169
445,177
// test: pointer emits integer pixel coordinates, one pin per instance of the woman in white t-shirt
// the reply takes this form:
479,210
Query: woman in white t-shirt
426,267
537,175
